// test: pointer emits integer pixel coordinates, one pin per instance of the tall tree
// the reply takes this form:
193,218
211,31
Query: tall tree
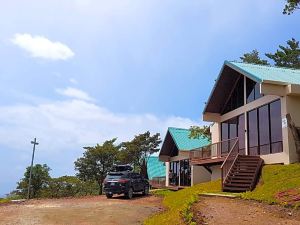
288,56
138,150
97,161
39,180
197,132
253,57
291,6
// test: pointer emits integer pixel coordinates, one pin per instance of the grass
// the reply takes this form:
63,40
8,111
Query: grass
178,204
4,200
279,184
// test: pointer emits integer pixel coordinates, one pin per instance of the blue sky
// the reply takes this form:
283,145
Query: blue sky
77,72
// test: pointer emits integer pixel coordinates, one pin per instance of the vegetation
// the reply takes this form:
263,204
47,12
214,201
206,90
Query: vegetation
43,186
285,56
279,184
178,204
196,132
253,57
291,6
137,151
96,162
288,56
40,178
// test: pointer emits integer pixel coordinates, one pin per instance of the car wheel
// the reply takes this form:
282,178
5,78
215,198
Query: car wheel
129,194
146,190
109,195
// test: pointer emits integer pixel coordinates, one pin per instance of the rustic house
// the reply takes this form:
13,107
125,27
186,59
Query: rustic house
249,106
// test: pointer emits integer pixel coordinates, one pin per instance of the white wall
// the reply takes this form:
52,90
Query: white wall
199,175
216,172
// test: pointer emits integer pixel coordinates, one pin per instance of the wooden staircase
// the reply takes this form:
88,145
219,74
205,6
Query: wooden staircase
243,174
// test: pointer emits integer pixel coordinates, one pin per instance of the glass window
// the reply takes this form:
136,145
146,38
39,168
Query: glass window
264,130
236,99
253,132
276,129
241,133
252,90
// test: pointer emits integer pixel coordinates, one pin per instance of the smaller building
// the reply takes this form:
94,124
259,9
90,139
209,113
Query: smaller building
175,152
156,172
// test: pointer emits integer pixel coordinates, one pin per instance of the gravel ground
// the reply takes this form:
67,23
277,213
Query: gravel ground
225,211
87,210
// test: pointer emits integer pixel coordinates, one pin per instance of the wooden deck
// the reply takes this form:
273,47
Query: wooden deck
208,161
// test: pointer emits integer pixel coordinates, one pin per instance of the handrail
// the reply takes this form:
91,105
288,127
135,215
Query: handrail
229,161
214,150
230,152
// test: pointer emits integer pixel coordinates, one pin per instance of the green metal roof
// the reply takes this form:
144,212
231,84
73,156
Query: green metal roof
182,140
155,168
260,73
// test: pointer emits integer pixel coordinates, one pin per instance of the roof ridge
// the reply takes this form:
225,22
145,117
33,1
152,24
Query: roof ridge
260,65
178,128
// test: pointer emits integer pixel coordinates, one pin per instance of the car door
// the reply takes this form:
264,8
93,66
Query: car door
140,182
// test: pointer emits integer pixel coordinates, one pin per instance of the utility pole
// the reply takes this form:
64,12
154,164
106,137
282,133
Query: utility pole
34,144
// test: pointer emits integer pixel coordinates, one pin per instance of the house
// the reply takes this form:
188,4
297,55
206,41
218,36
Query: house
175,153
156,171
248,106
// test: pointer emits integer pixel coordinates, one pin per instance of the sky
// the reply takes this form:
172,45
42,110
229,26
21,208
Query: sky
74,73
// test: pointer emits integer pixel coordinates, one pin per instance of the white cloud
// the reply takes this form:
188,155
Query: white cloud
74,93
68,125
41,47
73,81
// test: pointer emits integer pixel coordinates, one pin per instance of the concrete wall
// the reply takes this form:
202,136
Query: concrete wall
216,172
167,173
199,175
215,132
292,104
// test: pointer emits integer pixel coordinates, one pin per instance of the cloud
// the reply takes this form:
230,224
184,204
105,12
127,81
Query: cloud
41,47
73,123
75,93
73,81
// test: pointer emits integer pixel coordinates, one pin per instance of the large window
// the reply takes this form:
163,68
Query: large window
185,173
264,129
252,90
180,173
236,98
233,128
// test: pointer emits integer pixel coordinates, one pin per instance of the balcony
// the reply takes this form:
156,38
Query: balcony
212,154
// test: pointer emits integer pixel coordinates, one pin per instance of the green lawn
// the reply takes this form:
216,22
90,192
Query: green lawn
4,200
279,184
178,204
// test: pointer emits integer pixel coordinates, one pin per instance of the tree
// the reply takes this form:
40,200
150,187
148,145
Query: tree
291,6
197,132
137,151
253,57
288,56
39,180
97,161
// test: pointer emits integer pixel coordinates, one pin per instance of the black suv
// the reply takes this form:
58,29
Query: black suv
125,182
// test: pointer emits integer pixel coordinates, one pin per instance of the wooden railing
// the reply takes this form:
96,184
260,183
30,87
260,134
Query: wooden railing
215,150
229,160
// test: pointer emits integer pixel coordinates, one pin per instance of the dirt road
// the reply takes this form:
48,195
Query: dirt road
82,211
225,211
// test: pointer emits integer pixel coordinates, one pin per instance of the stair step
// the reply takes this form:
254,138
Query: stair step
237,185
240,178
241,181
235,189
244,169
241,174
